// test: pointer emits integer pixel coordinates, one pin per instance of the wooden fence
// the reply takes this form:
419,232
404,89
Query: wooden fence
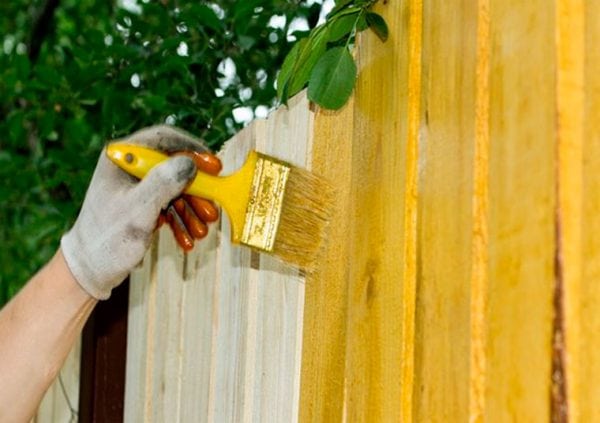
462,276
216,335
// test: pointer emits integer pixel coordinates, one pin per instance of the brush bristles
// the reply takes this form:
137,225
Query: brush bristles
305,215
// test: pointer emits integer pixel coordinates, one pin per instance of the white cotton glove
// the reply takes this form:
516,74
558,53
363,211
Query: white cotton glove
114,228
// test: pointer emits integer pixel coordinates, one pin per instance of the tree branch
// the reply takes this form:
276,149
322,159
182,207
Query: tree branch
42,27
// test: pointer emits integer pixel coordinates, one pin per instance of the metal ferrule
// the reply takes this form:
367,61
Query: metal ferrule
264,207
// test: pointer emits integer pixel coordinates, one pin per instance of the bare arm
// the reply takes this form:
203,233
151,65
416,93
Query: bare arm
37,330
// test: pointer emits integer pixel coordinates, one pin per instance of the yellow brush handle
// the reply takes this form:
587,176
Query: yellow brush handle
231,192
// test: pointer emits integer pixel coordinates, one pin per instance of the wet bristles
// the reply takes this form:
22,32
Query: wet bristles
306,211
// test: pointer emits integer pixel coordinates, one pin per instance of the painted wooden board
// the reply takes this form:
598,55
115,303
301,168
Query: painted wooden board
61,402
578,106
521,246
445,219
216,335
588,378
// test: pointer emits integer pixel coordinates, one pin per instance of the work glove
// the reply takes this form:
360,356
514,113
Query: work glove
188,216
119,213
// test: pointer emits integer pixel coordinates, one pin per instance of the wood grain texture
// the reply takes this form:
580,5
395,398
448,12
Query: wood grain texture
521,211
446,150
359,324
216,335
570,58
480,227
589,316
325,310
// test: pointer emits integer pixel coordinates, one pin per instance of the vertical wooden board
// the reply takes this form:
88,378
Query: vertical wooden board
200,269
590,224
521,203
382,259
280,293
325,305
142,302
230,302
62,398
570,49
163,369
442,340
480,224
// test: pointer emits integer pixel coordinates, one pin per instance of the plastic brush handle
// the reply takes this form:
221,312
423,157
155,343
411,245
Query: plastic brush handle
231,192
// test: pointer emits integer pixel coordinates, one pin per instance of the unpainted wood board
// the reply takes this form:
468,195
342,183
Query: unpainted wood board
519,309
230,304
286,135
200,268
142,296
446,154
164,369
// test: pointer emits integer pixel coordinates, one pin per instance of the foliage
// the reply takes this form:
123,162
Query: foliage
323,60
103,71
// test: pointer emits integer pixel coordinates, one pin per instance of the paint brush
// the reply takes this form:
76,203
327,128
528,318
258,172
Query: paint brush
273,206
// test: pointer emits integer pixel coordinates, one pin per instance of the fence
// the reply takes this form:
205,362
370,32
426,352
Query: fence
460,281
216,335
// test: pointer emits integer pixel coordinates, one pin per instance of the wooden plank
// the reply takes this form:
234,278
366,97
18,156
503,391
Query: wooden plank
280,289
142,297
359,325
519,309
570,57
325,309
587,370
446,144
230,304
163,372
60,403
480,226
590,294
103,352
196,361
383,255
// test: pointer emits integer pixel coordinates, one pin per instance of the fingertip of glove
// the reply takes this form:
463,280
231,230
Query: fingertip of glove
186,168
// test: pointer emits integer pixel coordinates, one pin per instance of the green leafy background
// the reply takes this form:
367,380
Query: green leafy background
104,70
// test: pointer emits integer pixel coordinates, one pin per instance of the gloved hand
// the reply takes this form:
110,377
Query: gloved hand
119,214
189,216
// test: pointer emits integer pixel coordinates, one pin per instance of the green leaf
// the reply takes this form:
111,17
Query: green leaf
207,17
341,27
286,69
309,55
362,23
378,25
339,5
332,79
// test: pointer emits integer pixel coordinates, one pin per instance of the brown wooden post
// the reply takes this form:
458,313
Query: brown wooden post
103,354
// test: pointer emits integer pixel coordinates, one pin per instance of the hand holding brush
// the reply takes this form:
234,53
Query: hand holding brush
120,212
189,216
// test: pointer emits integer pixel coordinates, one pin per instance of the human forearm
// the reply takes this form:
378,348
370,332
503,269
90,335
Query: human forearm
37,330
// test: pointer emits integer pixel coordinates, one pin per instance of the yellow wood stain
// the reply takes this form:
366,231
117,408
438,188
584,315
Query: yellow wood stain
472,137
588,368
480,254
